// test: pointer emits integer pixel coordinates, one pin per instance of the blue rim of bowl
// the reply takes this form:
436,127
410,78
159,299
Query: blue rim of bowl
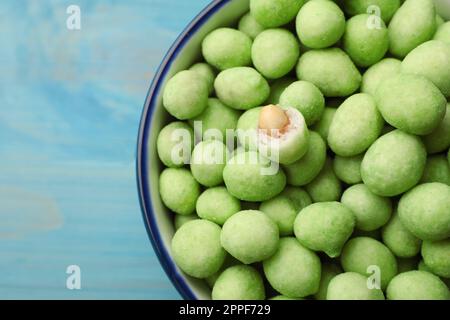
153,232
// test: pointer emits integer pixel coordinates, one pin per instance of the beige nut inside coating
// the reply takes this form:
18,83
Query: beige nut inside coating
273,120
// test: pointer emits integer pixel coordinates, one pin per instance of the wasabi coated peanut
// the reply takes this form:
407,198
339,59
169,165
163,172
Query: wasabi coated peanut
196,248
307,168
443,33
186,95
299,197
378,73
417,285
207,73
217,205
320,24
387,7
226,48
180,220
426,104
366,122
322,126
329,271
250,236
352,286
241,88
176,136
247,129
431,60
364,44
397,238
436,255
294,271
393,164
274,13
331,70
275,53
326,186
425,211
216,118
246,179
437,169
179,190
239,283
371,211
277,88
360,254
282,211
324,227
306,98
208,161
406,33
348,169
250,26
439,139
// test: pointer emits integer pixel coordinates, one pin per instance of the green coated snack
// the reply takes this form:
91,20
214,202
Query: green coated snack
229,262
426,104
196,248
387,8
217,118
329,271
217,205
247,129
186,95
371,211
299,197
366,122
352,286
239,283
275,53
443,33
437,169
226,48
246,179
393,164
175,144
425,211
362,254
274,13
294,271
180,220
207,72
326,186
308,168
436,255
241,88
365,44
324,227
439,139
306,98
250,236
431,60
208,161
250,26
378,73
179,190
322,126
348,169
397,238
331,70
406,33
282,211
277,88
417,285
320,24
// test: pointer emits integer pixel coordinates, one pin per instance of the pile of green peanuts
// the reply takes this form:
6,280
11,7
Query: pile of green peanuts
359,206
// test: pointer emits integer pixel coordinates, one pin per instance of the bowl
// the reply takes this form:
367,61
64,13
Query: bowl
184,52
158,219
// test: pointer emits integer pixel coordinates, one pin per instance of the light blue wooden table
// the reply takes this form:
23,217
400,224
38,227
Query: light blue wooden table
70,105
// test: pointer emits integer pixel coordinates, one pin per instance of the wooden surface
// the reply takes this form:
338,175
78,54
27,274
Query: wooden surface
70,105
